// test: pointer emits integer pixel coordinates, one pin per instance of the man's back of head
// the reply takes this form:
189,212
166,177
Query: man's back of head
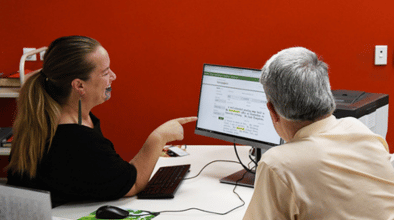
296,83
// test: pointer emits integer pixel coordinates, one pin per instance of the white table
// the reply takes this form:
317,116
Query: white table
204,192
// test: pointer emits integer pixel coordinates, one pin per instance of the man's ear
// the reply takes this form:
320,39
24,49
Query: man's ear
79,86
274,115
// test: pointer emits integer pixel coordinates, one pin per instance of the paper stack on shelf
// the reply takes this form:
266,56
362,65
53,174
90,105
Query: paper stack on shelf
10,80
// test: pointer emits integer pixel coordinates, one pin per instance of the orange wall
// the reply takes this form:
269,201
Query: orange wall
157,49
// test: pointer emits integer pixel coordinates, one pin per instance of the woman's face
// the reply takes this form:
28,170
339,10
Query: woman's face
98,86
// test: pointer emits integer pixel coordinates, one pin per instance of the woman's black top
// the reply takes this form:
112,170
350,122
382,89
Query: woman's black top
80,165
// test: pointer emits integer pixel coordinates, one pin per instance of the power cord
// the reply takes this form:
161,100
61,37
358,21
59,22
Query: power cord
211,212
245,167
207,211
251,151
229,161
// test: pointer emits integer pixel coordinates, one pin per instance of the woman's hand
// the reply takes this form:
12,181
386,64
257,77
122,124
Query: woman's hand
173,130
147,157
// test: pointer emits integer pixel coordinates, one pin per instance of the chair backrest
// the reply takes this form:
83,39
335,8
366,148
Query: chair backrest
23,203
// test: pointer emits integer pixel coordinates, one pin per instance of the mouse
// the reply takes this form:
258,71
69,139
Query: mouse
111,212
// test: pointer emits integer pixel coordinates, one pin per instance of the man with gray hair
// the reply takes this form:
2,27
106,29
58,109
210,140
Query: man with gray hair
328,168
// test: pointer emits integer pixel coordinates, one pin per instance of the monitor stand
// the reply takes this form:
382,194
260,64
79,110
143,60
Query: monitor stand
248,178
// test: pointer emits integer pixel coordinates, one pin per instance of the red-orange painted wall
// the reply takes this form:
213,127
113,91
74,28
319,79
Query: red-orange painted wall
157,49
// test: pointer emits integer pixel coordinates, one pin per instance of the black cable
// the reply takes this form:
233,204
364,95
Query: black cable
245,167
207,211
230,161
252,168
211,212
250,157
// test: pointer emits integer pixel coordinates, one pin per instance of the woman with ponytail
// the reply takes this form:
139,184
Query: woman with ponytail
58,145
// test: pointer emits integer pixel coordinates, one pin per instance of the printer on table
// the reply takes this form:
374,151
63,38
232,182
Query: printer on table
370,108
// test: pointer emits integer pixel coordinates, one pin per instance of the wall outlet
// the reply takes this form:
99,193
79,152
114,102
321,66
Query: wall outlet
381,55
32,57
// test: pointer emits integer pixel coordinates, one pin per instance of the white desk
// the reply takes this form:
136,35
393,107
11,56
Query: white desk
204,192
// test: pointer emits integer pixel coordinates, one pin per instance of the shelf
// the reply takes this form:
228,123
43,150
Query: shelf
9,92
5,151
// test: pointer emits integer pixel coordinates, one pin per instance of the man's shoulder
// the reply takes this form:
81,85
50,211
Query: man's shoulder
292,154
350,124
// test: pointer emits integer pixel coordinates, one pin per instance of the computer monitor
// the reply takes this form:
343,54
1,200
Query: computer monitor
233,108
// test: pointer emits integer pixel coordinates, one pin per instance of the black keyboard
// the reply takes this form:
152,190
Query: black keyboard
164,183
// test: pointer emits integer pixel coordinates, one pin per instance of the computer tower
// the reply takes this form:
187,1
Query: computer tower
370,108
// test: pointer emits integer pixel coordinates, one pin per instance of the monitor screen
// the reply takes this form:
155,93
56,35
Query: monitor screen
233,107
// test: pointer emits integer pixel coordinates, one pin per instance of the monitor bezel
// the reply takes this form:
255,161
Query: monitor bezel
225,136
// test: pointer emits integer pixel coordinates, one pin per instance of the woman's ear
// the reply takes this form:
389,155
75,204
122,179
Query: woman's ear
274,115
78,86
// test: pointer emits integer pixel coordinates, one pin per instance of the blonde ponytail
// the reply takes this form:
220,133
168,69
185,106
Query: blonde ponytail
34,126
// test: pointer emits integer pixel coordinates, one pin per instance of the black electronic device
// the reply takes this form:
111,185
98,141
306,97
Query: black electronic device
164,182
233,108
111,212
357,103
370,108
5,133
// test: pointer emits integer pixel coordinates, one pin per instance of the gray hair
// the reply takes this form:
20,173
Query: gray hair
296,83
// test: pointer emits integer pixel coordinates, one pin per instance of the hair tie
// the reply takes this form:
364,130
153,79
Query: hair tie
43,74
